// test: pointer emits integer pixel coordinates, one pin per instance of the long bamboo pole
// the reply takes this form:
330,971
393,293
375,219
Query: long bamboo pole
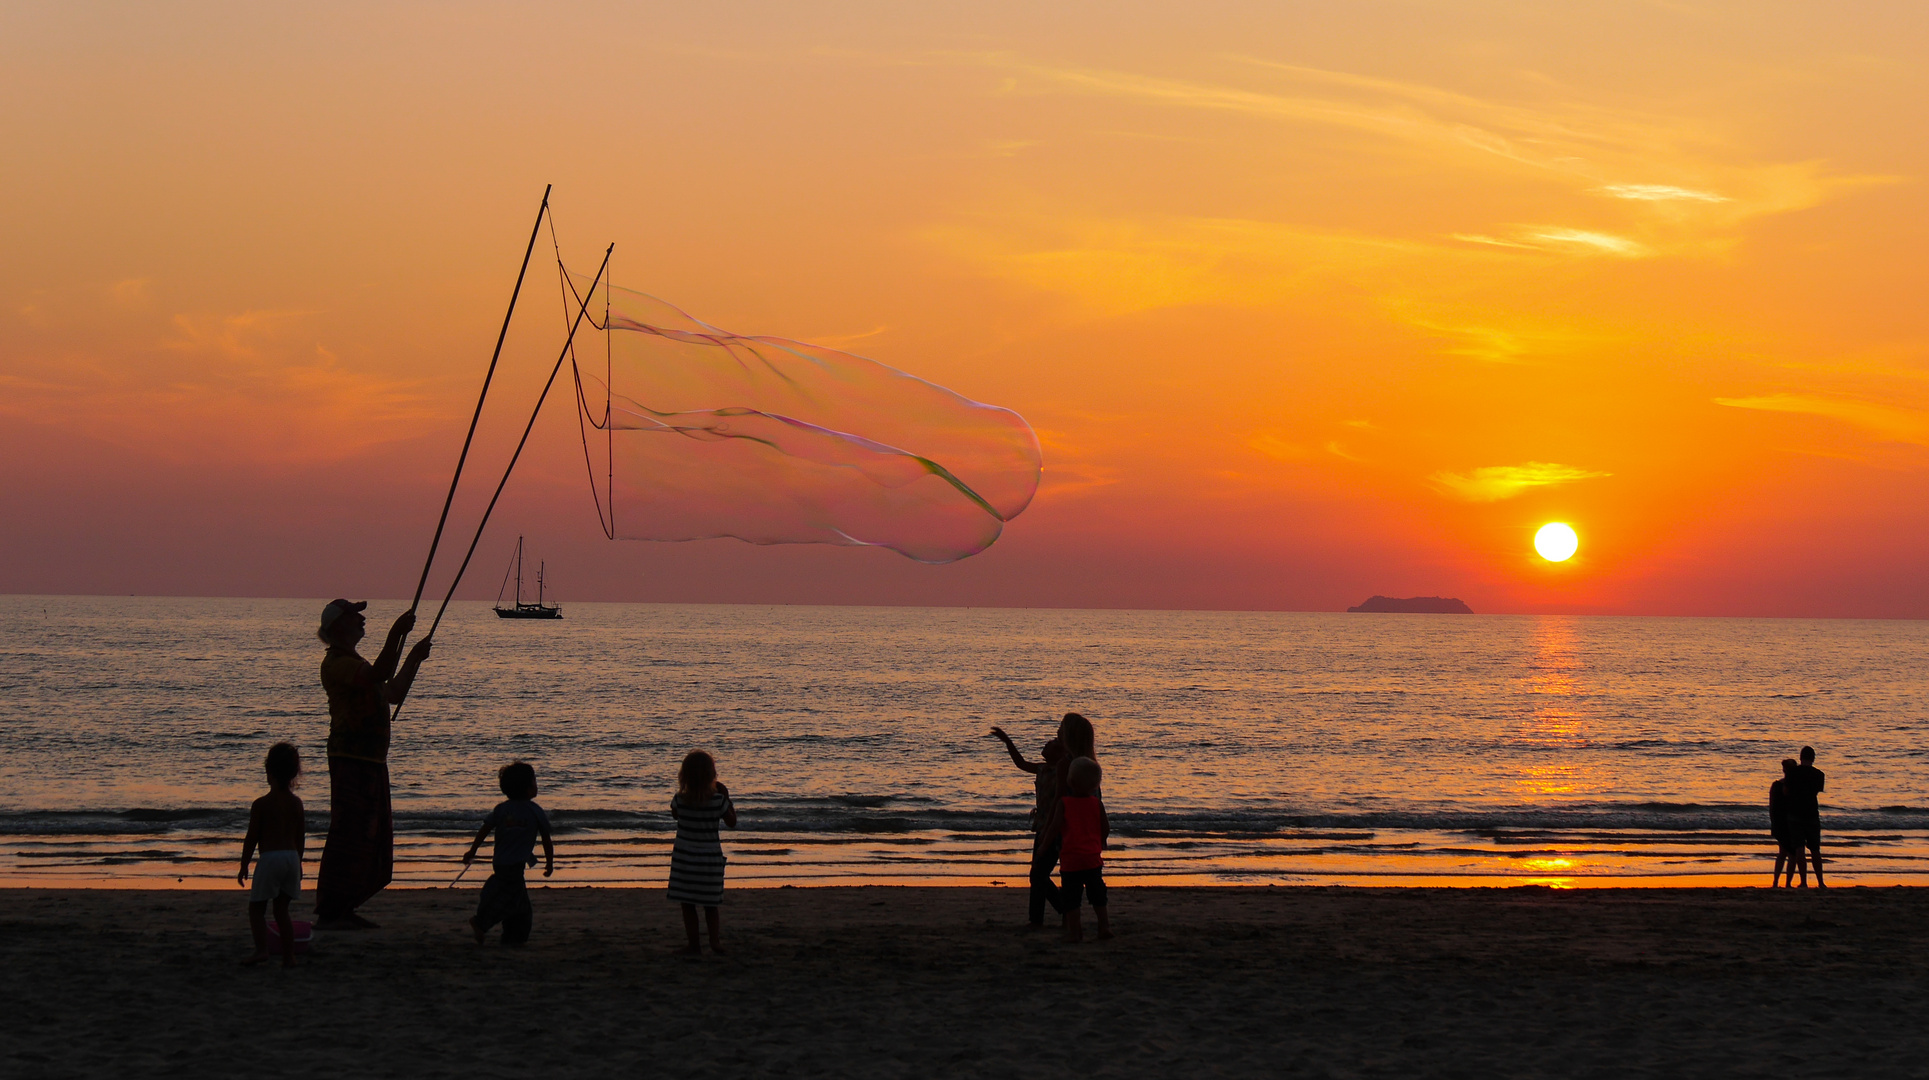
470,438
515,457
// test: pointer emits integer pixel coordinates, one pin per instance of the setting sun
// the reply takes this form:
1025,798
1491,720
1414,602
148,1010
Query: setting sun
1556,542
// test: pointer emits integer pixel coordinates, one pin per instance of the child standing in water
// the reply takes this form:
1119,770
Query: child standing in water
696,862
518,822
277,826
1085,828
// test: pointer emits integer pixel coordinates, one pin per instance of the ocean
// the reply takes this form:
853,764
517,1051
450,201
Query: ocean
1238,747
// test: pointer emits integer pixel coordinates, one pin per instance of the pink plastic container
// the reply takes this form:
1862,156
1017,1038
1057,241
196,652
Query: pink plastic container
304,934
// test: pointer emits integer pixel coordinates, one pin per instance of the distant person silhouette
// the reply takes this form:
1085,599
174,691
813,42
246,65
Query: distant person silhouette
1788,845
1805,814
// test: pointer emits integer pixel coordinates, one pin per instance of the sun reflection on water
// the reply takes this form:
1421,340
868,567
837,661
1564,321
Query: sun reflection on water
1554,679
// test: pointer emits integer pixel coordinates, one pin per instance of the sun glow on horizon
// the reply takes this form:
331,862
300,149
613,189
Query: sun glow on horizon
1556,541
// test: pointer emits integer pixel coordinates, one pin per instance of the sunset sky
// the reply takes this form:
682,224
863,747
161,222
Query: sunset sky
1306,301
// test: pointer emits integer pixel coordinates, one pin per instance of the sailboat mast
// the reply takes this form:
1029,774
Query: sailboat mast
518,571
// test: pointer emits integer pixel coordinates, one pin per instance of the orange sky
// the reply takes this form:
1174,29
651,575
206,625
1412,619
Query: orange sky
1306,301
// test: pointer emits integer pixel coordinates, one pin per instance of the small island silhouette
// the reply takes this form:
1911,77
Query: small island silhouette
1425,605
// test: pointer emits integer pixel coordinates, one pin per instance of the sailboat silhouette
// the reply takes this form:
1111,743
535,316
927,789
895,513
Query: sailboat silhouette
537,610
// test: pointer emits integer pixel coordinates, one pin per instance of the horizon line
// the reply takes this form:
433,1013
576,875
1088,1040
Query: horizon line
1034,607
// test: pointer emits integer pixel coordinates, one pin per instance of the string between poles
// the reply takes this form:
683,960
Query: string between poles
583,412
513,458
524,441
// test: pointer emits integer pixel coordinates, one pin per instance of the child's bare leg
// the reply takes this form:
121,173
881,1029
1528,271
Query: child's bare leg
690,928
1801,862
1074,926
258,923
1104,924
286,928
714,919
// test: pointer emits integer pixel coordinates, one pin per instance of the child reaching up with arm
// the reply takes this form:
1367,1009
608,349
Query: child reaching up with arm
1017,758
276,824
696,862
1044,844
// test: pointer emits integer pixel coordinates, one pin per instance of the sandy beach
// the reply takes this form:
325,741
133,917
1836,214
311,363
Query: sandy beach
880,981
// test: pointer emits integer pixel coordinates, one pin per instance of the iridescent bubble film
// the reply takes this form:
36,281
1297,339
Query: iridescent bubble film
775,441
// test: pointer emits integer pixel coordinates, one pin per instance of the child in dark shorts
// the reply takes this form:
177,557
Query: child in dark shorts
517,822
1084,828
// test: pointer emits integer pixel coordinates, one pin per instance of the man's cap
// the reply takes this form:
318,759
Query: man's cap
338,608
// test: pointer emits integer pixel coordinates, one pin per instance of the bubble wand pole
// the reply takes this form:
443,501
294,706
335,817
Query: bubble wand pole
515,457
470,438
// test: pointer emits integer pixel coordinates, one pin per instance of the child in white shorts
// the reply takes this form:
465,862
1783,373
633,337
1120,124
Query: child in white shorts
275,824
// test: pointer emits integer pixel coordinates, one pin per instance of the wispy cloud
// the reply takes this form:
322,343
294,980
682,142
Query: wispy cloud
1399,119
1598,143
1492,483
1605,184
1114,266
1561,241
1523,339
1661,193
1678,166
239,337
1886,422
1277,447
1076,465
254,384
131,293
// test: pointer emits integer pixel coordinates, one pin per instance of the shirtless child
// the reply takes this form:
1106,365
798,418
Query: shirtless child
277,826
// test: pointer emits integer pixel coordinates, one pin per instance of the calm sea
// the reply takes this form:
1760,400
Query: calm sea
1238,747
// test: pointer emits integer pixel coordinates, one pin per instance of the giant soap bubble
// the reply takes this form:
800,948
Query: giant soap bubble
715,434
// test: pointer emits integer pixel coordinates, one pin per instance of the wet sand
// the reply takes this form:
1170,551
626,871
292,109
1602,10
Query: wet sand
874,981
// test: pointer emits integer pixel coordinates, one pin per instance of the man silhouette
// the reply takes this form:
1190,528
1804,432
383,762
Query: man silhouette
1804,815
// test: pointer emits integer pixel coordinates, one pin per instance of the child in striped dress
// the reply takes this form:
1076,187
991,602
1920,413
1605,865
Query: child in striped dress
696,863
